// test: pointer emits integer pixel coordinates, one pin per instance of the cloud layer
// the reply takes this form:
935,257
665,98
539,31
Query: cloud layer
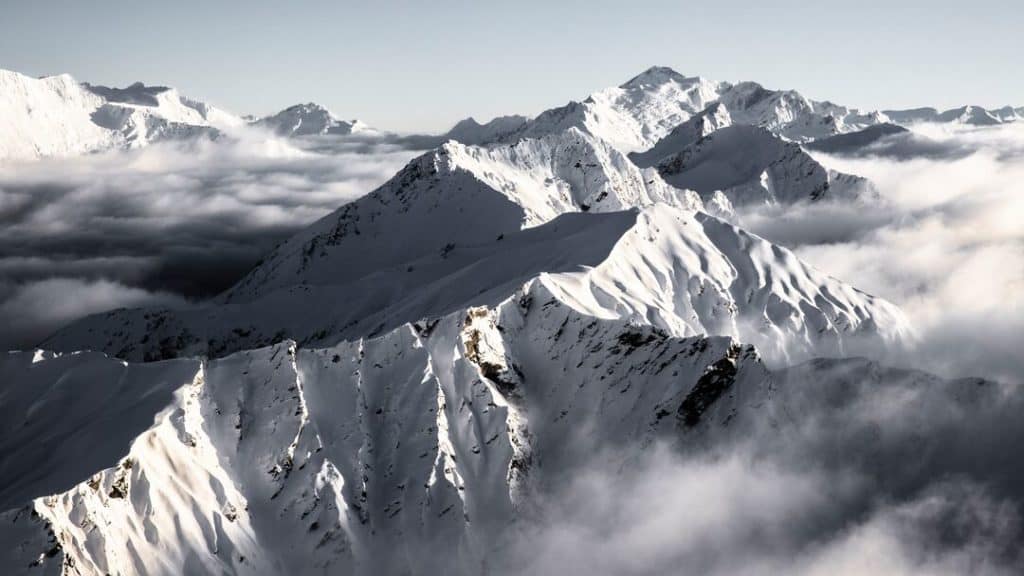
947,246
853,469
163,224
849,469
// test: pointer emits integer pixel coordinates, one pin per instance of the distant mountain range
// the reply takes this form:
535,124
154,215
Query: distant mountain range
58,116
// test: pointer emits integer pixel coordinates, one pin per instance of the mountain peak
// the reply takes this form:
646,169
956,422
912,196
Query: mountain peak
309,118
655,75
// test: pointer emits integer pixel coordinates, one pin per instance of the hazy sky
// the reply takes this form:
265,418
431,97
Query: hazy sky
415,65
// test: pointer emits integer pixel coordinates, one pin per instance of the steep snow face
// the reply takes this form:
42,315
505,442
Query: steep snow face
714,117
48,117
56,116
309,120
751,165
468,225
371,456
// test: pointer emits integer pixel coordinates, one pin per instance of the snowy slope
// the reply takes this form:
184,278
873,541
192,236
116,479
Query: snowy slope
370,456
48,117
714,117
750,165
416,452
633,117
56,116
468,225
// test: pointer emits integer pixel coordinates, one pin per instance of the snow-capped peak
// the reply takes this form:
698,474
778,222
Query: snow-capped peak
657,76
308,120
57,116
464,225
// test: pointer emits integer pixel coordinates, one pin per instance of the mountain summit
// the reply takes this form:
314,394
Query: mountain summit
309,120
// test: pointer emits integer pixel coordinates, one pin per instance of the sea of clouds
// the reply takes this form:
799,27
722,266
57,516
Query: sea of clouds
881,471
164,225
946,245
853,468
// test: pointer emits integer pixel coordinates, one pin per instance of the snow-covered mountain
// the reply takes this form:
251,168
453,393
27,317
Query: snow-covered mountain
633,117
751,165
310,120
414,452
57,116
390,390
965,115
466,225
363,458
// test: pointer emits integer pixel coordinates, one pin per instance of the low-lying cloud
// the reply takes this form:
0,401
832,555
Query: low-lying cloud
738,515
163,224
947,246
849,469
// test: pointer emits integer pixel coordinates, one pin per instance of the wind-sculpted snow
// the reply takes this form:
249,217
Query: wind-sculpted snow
371,456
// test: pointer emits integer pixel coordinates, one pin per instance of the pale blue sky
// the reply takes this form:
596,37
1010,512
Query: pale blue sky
422,65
